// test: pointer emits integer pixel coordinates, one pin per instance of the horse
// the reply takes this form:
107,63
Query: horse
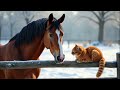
30,42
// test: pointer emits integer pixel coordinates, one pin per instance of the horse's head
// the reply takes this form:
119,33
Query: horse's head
53,37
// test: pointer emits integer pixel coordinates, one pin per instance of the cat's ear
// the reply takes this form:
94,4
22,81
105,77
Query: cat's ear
76,45
78,48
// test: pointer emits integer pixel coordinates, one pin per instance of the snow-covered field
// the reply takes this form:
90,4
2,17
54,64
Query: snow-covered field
109,53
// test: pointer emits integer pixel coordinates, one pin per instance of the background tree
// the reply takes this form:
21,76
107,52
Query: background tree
11,15
116,18
1,18
101,18
28,16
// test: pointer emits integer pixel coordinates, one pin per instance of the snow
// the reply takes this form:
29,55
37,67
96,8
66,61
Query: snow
109,53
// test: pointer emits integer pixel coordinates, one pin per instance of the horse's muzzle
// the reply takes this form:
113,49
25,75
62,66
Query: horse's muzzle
60,59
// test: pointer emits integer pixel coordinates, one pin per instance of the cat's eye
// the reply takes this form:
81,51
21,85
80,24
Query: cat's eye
78,48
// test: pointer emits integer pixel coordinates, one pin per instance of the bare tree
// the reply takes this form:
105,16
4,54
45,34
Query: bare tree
101,18
117,20
11,20
28,16
1,17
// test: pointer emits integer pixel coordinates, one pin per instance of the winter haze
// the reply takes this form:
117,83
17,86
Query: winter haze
98,28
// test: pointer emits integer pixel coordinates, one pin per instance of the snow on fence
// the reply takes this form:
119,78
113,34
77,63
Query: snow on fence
51,64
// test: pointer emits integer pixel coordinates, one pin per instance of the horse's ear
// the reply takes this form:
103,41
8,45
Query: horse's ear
61,19
51,18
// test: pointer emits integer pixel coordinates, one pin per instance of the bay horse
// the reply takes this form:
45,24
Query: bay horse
30,42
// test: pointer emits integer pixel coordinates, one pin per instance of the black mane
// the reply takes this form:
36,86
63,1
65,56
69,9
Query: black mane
30,31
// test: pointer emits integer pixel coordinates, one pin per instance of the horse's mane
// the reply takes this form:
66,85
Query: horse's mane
33,29
30,31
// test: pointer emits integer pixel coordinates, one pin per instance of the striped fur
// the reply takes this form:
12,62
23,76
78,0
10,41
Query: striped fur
101,67
89,54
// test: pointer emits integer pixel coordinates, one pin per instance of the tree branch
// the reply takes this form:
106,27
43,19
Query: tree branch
106,12
107,16
112,19
31,18
96,15
24,14
90,19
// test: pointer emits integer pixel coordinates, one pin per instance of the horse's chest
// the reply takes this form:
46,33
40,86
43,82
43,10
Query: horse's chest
23,73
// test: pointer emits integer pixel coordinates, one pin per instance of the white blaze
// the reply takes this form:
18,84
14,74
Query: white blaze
60,45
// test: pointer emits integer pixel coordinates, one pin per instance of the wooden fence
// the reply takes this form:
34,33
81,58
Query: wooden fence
51,64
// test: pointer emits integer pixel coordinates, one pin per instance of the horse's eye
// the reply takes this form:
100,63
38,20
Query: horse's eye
51,35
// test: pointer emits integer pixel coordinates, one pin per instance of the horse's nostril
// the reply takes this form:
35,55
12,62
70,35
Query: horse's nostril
60,58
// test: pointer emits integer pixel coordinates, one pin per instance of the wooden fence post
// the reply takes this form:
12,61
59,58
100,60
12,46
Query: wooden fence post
118,65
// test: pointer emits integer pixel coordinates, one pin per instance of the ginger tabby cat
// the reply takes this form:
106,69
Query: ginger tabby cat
89,54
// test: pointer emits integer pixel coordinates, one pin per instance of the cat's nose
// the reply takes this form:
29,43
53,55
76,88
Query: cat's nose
73,53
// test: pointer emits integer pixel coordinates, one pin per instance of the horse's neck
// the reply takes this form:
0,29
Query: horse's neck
25,52
7,52
1,52
32,51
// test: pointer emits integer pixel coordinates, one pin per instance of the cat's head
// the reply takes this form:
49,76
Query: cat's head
77,50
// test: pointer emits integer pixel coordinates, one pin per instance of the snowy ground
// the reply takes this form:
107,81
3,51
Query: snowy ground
109,53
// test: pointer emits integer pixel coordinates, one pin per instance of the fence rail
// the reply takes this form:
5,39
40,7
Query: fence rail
52,64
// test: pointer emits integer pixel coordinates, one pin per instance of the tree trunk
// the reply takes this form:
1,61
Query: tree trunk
11,27
101,31
11,31
27,21
0,32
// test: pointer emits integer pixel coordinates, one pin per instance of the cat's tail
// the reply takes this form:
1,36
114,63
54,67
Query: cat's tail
101,67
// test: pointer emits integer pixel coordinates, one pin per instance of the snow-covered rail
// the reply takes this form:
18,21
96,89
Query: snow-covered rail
49,64
52,64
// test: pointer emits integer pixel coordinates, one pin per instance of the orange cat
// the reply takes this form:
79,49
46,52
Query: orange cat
90,54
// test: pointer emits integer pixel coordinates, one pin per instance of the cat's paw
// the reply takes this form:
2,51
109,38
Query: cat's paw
78,61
